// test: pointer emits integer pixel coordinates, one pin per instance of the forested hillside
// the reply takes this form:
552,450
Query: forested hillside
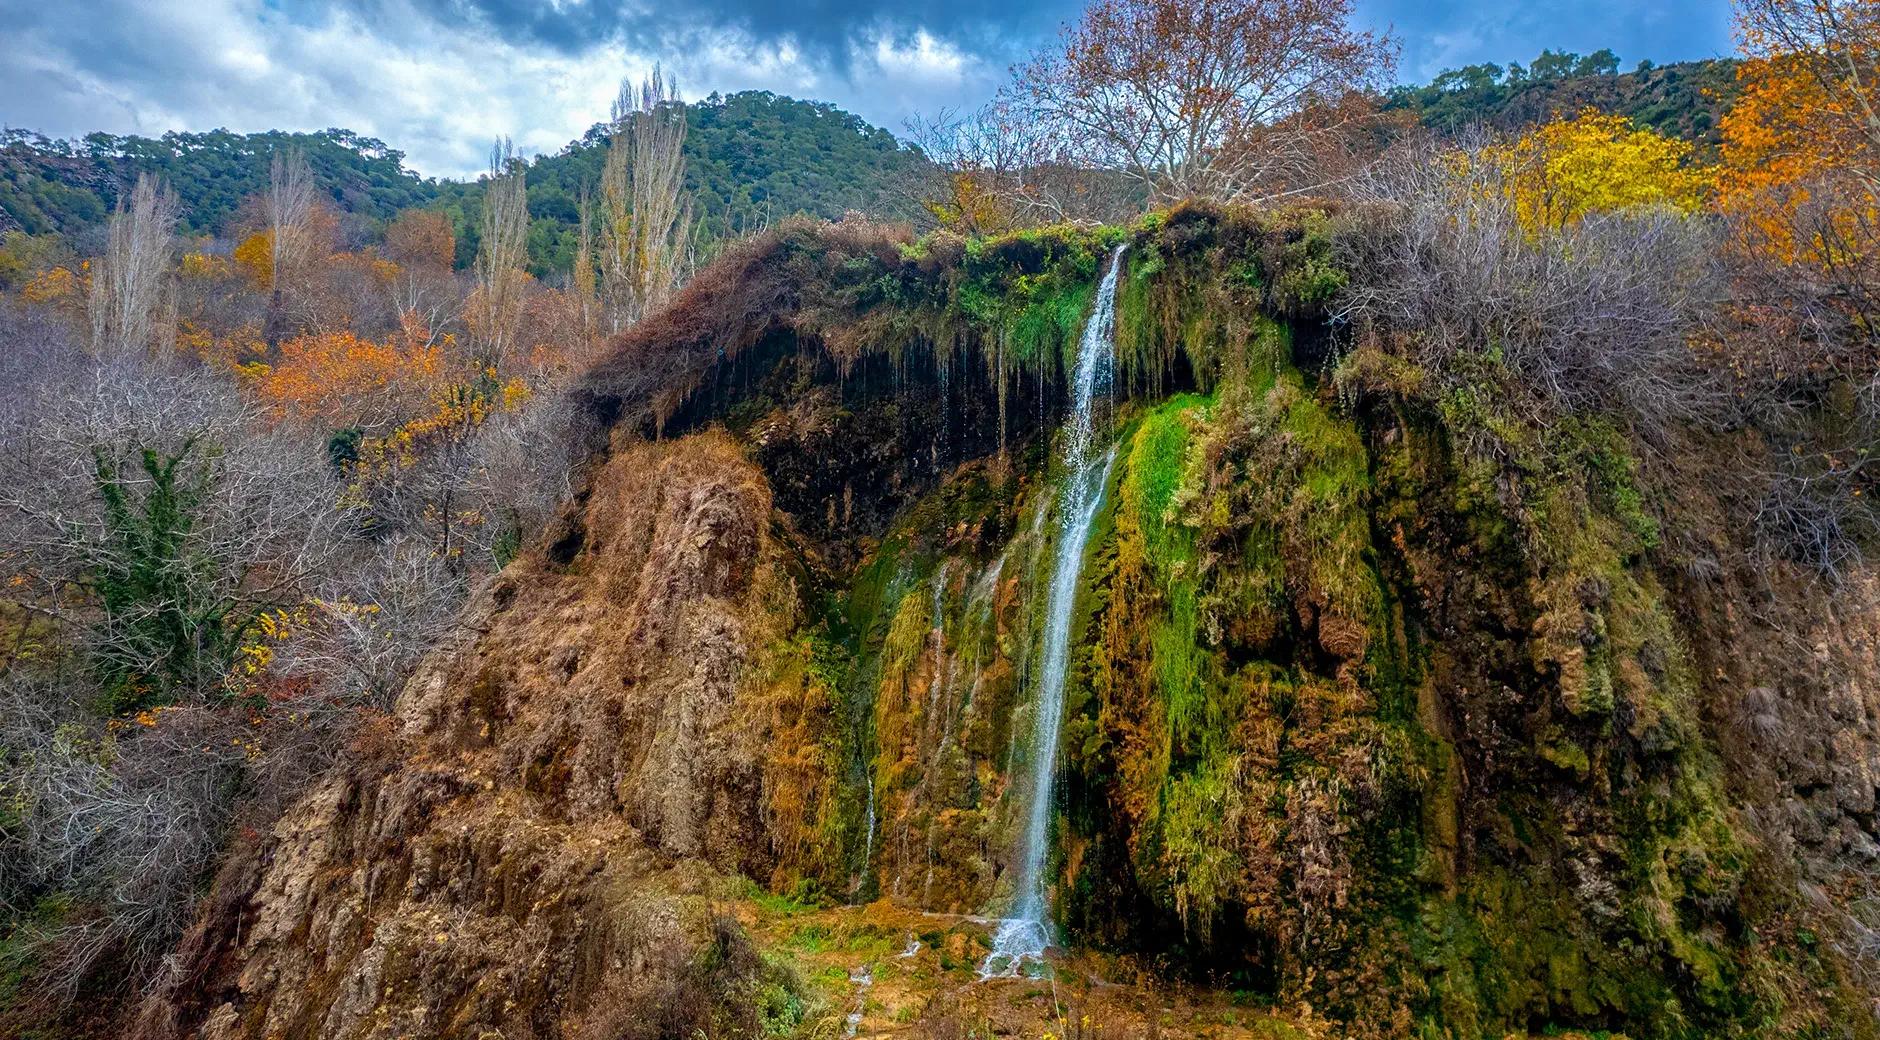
753,158
1683,99
70,186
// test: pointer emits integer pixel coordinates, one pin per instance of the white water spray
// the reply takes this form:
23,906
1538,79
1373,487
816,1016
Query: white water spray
868,850
1025,932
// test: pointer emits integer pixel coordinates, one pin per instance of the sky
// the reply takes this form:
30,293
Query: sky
438,79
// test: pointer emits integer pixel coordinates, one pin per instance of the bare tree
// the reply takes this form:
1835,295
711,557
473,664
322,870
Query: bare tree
130,287
502,253
478,490
996,169
125,821
584,276
378,612
128,823
645,211
521,468
1202,98
147,503
1597,315
289,209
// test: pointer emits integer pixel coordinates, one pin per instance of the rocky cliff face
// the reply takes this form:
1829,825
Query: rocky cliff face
524,855
1361,723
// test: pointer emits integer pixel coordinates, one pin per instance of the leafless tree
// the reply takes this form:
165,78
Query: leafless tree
502,254
481,490
289,206
261,515
288,209
584,283
374,615
1820,474
1598,315
522,465
130,286
646,212
129,823
1202,98
996,169
126,822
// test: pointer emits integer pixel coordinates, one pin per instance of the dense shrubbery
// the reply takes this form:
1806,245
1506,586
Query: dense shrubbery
221,556
1592,314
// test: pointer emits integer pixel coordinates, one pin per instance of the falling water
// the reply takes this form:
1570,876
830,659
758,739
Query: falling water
1024,933
868,851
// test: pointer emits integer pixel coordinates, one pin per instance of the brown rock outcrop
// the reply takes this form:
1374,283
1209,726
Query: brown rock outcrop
524,853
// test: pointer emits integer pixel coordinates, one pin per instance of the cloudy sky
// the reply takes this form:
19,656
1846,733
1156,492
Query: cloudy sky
439,78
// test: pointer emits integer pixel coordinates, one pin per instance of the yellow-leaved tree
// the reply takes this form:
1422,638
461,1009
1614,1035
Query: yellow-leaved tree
1560,171
255,255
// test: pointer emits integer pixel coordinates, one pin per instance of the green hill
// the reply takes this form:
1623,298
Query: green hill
68,186
753,158
1684,99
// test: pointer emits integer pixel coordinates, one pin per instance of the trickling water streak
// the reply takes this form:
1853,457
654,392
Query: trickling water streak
868,849
1024,933
935,723
937,637
943,360
863,977
988,582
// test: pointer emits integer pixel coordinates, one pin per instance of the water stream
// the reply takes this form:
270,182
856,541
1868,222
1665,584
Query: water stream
1086,454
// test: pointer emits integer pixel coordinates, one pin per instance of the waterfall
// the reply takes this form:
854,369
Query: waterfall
868,851
1025,932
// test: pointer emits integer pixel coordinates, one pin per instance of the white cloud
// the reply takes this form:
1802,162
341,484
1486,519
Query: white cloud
1446,50
922,58
439,92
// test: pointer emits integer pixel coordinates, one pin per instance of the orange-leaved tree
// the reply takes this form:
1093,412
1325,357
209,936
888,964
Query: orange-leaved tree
342,379
255,254
1801,191
421,238
1801,145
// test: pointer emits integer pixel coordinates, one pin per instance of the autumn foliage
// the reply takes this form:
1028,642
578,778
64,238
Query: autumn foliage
1222,99
1801,146
255,255
1558,173
421,238
340,378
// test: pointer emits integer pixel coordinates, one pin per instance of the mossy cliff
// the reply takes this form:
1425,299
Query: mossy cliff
1365,722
